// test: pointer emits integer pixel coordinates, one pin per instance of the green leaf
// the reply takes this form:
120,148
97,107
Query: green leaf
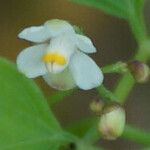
26,122
81,127
131,10
113,7
138,4
56,97
118,8
86,146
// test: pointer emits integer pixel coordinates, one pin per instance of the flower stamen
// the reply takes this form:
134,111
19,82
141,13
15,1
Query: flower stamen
54,58
48,58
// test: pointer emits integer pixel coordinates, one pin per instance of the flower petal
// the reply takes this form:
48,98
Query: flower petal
85,44
56,27
85,71
35,34
29,61
60,81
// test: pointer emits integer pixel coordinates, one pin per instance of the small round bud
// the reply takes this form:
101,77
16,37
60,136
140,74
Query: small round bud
139,70
96,107
112,122
78,30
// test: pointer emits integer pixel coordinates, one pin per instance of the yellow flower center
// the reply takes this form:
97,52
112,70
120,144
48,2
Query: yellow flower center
54,58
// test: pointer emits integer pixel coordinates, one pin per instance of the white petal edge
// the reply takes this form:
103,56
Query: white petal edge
61,81
85,71
35,34
56,27
29,61
85,44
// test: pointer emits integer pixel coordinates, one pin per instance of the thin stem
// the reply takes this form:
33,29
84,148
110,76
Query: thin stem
124,87
118,67
136,21
107,94
137,135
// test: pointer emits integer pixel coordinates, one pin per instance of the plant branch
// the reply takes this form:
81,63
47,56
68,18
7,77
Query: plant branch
107,94
136,21
118,67
137,135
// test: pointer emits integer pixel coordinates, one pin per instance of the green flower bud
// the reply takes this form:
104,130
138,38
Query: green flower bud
112,122
139,70
96,107
78,30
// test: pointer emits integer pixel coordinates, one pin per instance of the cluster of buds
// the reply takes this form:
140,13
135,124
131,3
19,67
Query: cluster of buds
112,119
112,116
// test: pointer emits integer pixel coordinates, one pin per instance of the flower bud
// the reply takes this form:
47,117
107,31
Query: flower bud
78,30
112,122
139,70
96,107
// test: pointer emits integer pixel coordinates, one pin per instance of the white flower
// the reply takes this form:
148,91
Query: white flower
59,56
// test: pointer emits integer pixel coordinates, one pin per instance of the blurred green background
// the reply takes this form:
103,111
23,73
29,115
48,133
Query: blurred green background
111,36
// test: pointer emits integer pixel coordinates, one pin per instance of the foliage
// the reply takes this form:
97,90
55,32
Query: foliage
27,122
119,8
